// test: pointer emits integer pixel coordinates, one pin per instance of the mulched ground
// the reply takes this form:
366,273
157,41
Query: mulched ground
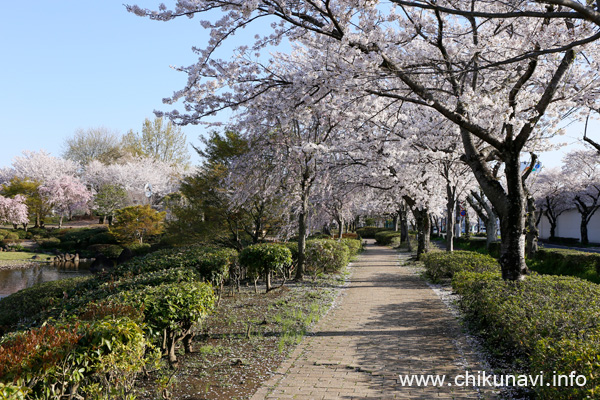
243,342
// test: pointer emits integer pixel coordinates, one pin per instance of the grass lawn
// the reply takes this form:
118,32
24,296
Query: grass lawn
22,256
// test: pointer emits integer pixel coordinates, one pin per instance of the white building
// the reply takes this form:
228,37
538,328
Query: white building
568,226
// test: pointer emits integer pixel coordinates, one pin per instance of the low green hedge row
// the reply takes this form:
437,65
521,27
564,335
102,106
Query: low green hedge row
441,264
388,238
368,232
567,262
266,259
550,323
27,307
326,255
96,359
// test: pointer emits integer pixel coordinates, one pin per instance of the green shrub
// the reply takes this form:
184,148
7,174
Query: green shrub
561,357
11,391
70,246
25,306
326,255
113,352
264,259
102,238
388,238
354,246
99,359
36,358
3,233
567,262
109,250
441,264
140,249
48,243
551,323
11,237
368,232
174,311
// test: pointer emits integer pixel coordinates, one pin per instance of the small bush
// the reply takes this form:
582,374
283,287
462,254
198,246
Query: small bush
98,359
354,246
140,249
326,255
264,259
441,264
48,243
175,311
109,250
11,237
26,306
368,232
564,240
567,262
388,238
551,323
102,238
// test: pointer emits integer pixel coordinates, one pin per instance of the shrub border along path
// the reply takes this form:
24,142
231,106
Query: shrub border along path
387,322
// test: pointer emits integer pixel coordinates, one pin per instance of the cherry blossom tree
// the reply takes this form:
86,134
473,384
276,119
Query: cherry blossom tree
583,169
552,196
13,211
501,72
66,195
134,176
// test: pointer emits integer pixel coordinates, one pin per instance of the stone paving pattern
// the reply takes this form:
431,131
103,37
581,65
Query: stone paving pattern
387,322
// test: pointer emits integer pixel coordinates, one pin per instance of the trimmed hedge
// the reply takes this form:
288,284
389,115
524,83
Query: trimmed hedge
552,323
354,246
326,255
368,232
24,306
441,264
567,262
388,238
99,359
264,259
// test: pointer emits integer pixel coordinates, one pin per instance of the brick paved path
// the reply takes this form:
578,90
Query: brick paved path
387,322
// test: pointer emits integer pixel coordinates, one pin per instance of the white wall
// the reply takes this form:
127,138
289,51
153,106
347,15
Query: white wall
568,226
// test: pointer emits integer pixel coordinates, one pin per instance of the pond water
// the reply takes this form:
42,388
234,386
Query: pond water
17,278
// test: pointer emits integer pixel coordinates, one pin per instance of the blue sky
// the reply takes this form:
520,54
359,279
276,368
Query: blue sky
70,64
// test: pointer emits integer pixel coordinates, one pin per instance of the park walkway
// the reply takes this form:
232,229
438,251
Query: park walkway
387,322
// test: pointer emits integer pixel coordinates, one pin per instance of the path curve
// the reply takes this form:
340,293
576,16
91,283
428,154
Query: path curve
387,322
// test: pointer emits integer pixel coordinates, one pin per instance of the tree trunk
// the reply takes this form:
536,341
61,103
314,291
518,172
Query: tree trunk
268,280
423,228
509,203
60,221
531,245
403,225
302,219
188,342
584,229
467,226
450,206
512,224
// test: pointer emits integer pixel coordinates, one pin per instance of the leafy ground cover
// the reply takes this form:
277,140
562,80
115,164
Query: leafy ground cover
243,342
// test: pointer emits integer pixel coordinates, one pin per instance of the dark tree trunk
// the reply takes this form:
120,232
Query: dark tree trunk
450,206
512,224
302,227
509,204
531,245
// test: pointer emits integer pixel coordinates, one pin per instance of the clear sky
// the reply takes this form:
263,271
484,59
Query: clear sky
70,64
